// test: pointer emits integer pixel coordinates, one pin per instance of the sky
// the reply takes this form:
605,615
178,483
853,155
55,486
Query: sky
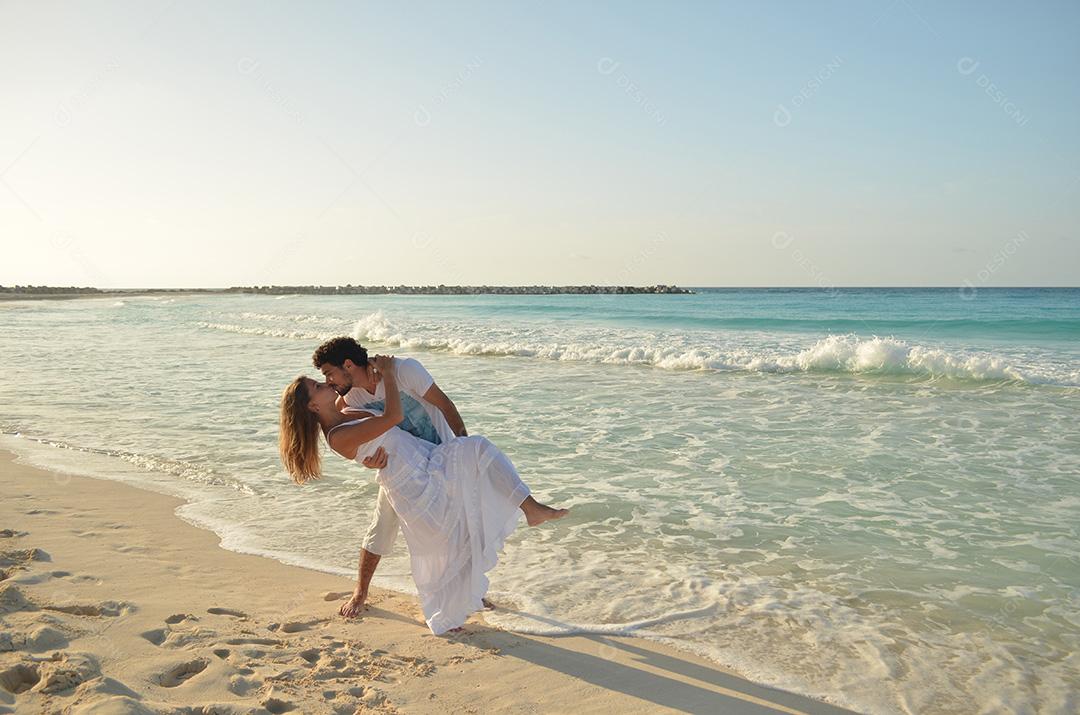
204,144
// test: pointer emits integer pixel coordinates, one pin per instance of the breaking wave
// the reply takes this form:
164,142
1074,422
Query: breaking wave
834,353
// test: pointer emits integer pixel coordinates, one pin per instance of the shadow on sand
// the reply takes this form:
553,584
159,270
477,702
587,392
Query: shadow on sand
631,666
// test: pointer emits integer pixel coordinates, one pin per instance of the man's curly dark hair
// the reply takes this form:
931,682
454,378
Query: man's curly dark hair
337,350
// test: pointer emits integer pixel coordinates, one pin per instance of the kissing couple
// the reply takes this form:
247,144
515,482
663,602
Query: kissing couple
456,497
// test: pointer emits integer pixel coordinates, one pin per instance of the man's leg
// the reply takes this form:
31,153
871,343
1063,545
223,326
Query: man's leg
368,562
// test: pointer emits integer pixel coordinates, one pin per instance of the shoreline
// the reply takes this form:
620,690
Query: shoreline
109,599
277,291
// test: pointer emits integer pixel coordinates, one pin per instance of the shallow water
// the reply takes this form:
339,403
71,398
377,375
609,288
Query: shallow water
867,496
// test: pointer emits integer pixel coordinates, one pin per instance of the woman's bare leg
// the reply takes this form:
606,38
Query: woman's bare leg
537,513
504,476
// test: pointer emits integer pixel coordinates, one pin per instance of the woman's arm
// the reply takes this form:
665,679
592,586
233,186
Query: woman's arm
392,403
357,412
372,461
347,440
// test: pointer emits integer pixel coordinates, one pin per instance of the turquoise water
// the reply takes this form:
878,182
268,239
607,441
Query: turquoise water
867,496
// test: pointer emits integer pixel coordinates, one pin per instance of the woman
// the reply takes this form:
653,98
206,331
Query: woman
457,501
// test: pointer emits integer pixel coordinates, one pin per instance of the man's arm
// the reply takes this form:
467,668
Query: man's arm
414,376
437,397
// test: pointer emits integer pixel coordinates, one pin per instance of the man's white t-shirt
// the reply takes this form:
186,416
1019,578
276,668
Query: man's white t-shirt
422,418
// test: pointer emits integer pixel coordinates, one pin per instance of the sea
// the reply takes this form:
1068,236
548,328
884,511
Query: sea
867,496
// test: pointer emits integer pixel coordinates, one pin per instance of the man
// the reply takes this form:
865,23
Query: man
429,414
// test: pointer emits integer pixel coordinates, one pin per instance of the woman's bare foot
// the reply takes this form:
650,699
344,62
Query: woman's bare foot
537,513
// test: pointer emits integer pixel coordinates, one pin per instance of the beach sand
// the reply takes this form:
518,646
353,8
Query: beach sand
109,603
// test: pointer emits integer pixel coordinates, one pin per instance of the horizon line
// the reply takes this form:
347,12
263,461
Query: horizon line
545,285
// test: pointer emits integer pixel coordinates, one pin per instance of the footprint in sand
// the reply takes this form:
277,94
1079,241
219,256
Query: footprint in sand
64,671
239,685
12,599
131,549
59,672
311,655
276,705
178,617
19,678
41,638
181,673
86,578
297,626
112,609
226,612
180,631
22,557
156,636
253,641
44,577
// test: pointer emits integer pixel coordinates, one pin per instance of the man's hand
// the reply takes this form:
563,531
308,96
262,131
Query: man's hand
354,605
377,460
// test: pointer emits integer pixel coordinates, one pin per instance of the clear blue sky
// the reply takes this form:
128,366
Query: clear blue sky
209,144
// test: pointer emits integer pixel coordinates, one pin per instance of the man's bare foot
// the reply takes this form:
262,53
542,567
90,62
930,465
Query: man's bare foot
537,513
354,606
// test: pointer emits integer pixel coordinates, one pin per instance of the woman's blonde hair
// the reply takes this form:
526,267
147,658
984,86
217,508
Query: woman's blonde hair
298,438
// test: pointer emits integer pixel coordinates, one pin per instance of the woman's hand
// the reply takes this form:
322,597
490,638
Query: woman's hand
384,364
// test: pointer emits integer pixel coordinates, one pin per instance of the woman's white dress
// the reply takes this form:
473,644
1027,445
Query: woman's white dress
458,502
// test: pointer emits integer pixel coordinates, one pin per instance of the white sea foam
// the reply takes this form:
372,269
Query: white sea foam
276,318
848,353
270,332
58,454
834,353
535,624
